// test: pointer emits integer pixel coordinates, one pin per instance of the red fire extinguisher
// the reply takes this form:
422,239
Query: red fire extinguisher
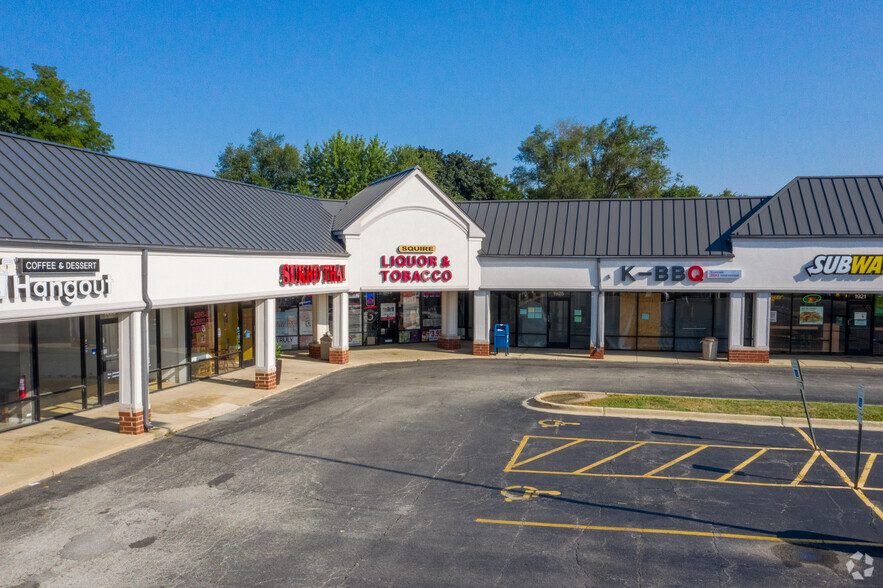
22,387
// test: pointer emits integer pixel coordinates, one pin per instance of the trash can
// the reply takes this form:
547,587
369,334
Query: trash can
325,349
709,348
501,338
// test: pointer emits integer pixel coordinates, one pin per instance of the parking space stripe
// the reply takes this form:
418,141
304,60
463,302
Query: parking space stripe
805,470
674,461
867,470
551,451
517,453
796,540
606,459
742,465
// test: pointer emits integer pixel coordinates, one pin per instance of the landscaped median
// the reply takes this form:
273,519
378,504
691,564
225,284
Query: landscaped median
729,410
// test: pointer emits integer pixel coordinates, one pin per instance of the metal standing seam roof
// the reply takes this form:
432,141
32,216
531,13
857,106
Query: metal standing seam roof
653,227
838,206
365,199
52,193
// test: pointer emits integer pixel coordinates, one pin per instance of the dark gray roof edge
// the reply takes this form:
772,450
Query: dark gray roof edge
814,237
659,199
158,166
391,176
164,248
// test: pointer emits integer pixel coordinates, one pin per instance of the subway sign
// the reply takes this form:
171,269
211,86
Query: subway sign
846,265
676,273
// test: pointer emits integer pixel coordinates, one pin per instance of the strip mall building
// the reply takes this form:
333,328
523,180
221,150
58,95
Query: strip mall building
117,276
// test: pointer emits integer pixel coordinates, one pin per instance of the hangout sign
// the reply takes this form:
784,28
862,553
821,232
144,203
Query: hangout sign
415,264
67,280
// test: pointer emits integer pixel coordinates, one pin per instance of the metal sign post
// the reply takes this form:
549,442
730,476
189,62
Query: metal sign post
860,413
795,365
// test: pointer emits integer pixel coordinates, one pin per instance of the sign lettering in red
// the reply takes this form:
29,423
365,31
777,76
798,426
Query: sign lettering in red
425,268
290,274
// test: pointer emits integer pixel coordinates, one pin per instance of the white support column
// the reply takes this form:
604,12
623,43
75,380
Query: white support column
597,351
131,409
340,330
736,330
265,344
481,344
762,320
320,323
450,337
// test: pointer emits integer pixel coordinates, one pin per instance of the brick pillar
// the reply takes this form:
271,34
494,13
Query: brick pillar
481,326
748,355
450,337
338,356
131,409
265,344
596,353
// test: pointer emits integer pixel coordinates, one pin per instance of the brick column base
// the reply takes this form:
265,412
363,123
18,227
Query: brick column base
449,343
748,355
132,423
265,380
596,353
316,350
482,348
338,356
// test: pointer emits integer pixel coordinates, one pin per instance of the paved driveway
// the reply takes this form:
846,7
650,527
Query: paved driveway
432,473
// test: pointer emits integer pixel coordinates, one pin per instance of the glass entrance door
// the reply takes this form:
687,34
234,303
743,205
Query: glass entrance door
860,311
109,360
559,314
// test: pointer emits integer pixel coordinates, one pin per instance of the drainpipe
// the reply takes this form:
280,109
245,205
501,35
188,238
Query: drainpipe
145,323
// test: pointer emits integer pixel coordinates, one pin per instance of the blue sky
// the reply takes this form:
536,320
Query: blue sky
747,95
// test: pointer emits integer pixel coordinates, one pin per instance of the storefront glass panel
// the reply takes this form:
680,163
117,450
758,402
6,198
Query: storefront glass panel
202,342
620,320
60,366
247,334
228,334
826,323
153,349
533,319
354,309
878,325
409,317
173,345
16,386
430,316
580,320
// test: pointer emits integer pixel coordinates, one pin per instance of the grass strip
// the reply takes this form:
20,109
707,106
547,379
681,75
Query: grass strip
780,408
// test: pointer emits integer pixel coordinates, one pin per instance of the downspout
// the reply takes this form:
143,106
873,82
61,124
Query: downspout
145,324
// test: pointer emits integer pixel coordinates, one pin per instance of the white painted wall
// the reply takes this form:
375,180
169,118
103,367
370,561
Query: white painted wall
413,213
180,279
122,267
778,265
536,273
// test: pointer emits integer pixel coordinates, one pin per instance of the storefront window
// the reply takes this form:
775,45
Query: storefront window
620,320
247,334
431,316
409,318
60,367
202,342
580,320
228,336
173,345
878,324
16,386
533,319
354,309
152,346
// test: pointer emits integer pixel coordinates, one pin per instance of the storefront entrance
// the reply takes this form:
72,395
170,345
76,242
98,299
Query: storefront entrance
544,319
109,358
849,324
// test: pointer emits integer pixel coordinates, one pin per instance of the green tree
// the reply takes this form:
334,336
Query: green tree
266,161
616,159
44,107
679,190
343,165
458,174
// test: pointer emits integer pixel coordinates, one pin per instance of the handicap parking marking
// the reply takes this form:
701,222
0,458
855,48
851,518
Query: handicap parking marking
539,454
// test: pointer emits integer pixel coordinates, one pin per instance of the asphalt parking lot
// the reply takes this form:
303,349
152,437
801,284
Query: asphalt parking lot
432,473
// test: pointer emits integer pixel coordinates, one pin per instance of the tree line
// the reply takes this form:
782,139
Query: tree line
569,160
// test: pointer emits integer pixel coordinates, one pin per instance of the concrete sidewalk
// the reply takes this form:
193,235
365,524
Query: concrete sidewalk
36,452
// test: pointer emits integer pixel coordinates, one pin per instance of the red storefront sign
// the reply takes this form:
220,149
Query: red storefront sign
311,274
415,268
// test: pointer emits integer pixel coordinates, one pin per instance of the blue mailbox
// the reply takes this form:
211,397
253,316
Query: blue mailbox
501,338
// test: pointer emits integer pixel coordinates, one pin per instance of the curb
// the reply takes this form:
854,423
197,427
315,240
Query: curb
537,403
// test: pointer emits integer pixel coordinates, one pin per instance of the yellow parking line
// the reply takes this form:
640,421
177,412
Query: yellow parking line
742,465
544,454
517,453
677,532
667,443
606,459
805,470
674,461
846,479
867,470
